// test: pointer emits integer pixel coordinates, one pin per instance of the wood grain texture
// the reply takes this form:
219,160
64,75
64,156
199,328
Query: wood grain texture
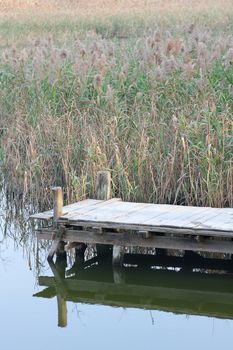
103,185
115,214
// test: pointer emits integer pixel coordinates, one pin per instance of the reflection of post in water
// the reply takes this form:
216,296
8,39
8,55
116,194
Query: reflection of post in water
58,270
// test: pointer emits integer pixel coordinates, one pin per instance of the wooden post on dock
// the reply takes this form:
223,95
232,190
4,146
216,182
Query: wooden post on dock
57,204
57,212
103,185
103,192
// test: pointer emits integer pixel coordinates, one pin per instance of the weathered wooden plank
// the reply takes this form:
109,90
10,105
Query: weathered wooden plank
74,209
127,212
84,210
145,213
202,215
129,240
160,214
147,217
222,221
182,216
47,215
110,212
155,215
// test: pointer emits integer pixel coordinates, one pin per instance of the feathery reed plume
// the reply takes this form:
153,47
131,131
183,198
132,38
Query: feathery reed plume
97,82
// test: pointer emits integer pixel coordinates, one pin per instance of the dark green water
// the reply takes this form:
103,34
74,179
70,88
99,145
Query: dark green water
133,308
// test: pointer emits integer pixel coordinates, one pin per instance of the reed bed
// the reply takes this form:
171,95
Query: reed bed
154,107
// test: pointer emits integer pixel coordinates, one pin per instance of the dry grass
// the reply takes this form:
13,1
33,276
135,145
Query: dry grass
152,102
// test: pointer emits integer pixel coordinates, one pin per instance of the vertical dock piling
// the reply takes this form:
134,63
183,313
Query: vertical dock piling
103,185
57,212
57,204
103,192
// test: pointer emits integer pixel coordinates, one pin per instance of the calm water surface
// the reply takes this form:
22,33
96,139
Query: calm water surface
29,322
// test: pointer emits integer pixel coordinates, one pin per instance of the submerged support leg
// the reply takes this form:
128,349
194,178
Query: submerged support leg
61,252
79,253
57,243
118,255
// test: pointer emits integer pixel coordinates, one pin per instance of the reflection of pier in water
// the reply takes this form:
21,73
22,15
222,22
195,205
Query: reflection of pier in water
188,287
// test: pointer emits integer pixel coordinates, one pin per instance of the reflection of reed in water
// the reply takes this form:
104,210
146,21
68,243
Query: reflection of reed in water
17,231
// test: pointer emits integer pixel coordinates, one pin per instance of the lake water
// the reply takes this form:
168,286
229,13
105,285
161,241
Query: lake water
93,319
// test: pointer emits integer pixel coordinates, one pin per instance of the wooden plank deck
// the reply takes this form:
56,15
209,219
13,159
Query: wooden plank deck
115,214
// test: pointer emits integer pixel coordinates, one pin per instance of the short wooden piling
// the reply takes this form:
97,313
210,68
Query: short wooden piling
79,253
103,192
57,203
103,185
57,213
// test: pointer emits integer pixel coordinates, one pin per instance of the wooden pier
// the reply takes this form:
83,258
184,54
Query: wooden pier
110,221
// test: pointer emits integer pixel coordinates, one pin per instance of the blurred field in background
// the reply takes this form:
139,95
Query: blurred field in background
110,7
143,88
